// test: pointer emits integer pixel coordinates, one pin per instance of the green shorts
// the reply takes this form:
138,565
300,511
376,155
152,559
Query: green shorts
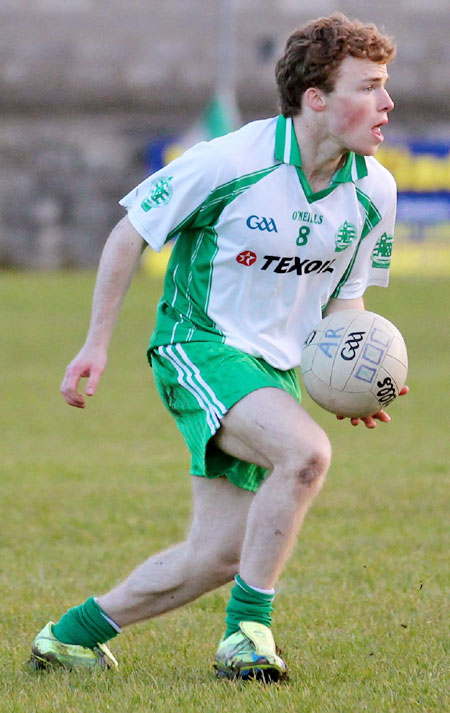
199,382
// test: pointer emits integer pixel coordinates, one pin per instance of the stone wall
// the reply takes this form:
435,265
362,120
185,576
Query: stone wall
85,84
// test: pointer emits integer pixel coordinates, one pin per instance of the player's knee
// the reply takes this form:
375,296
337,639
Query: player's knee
226,563
310,469
312,473
225,569
220,564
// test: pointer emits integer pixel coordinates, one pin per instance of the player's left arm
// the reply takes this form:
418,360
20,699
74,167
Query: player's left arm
337,305
366,271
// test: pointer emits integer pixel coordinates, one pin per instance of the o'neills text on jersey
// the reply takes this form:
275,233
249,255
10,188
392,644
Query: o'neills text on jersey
307,217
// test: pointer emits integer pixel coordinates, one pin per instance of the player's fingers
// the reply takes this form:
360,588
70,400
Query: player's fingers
92,383
71,395
353,421
369,422
69,386
382,416
403,391
73,398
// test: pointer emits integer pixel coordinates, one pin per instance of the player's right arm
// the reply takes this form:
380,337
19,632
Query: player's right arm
119,260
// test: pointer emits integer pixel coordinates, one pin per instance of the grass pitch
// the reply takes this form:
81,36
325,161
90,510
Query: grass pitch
86,495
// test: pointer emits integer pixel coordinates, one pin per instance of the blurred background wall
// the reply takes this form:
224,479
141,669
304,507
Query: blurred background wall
89,87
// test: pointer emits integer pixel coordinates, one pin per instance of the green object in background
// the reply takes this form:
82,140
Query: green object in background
218,118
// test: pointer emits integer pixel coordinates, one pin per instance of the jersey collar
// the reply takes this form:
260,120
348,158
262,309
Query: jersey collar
287,150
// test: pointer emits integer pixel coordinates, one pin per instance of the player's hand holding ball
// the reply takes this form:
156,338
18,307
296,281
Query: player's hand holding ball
354,364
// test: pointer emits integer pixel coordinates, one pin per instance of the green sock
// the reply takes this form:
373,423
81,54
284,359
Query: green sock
84,625
247,604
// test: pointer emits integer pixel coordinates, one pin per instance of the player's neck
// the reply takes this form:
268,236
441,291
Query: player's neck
321,157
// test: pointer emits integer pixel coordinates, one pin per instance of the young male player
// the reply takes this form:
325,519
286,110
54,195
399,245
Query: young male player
275,223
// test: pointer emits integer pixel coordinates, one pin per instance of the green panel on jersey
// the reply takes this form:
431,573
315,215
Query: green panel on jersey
182,308
187,287
361,166
208,213
373,217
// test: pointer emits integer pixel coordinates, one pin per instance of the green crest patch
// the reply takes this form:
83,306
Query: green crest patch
345,236
381,254
160,193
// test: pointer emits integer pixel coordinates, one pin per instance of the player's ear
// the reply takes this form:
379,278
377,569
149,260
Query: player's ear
314,98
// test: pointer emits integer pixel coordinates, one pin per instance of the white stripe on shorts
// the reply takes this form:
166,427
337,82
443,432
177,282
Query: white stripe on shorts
220,408
185,379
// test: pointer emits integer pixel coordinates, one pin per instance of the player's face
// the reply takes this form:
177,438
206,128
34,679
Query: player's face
358,106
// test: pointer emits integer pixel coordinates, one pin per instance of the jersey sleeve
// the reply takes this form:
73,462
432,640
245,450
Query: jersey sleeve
372,259
165,201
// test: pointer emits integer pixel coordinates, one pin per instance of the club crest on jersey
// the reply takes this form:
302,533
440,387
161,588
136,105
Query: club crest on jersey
160,193
381,254
254,222
345,236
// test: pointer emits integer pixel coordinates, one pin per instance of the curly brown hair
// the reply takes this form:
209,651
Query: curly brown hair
314,52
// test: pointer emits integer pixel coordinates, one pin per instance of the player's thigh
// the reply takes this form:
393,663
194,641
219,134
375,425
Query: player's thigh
220,511
269,427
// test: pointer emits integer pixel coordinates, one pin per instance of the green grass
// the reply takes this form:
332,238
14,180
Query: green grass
86,495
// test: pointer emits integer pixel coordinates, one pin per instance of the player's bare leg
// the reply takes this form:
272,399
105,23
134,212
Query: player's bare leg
209,557
206,560
268,427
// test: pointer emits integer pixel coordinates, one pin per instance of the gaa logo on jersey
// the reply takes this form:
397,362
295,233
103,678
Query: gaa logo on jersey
247,258
160,193
254,222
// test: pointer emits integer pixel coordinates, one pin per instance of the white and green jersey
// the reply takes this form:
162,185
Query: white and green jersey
258,254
